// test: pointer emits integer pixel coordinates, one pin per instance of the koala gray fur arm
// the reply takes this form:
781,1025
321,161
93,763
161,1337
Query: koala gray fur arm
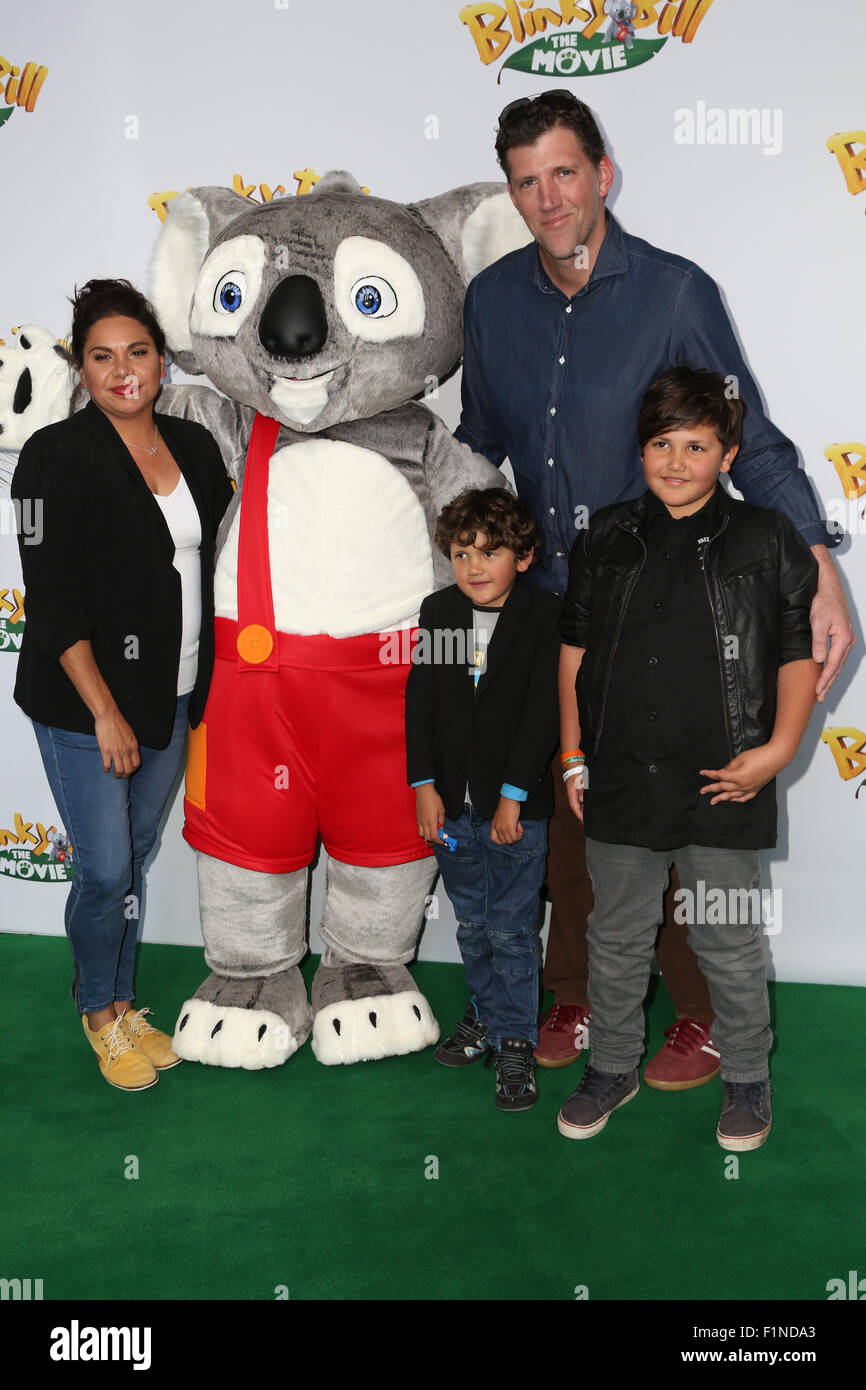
449,468
229,422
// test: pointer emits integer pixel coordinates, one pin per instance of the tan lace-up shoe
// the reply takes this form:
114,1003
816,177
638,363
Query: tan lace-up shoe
121,1062
155,1045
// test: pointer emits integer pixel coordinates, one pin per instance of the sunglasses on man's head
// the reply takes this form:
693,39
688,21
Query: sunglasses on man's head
560,99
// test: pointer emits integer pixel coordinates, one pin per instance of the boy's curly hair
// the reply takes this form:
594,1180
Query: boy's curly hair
496,514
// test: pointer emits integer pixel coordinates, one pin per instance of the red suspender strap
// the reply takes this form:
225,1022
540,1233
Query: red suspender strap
257,644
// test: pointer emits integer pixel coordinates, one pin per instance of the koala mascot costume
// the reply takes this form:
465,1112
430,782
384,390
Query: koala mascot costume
320,318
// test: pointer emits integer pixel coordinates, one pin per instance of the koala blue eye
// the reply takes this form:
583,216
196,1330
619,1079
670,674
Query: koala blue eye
229,293
373,297
368,299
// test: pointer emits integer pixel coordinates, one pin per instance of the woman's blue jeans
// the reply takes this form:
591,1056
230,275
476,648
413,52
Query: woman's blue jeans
494,890
112,823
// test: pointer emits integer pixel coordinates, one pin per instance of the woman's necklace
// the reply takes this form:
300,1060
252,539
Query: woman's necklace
154,446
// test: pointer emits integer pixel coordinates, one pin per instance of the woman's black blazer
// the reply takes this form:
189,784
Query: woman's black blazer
98,563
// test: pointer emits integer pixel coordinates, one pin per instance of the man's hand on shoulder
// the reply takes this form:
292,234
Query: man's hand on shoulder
831,622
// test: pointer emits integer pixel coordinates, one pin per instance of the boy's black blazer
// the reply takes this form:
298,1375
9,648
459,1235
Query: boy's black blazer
104,570
507,729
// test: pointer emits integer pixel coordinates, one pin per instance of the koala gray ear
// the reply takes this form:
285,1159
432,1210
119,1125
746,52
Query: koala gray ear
193,222
336,181
477,225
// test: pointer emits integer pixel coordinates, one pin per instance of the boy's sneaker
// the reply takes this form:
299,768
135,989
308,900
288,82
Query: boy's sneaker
515,1074
747,1113
467,1043
587,1110
688,1058
563,1034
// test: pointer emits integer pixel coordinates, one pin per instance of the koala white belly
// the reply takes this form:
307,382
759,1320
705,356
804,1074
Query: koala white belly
348,542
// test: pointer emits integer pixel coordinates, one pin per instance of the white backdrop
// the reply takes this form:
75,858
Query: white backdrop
139,102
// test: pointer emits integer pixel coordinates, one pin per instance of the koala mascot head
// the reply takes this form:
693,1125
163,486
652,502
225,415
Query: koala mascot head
329,307
621,11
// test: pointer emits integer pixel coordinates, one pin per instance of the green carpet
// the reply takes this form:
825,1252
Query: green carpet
313,1177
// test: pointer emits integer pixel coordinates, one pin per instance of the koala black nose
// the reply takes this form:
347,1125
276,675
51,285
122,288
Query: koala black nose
294,323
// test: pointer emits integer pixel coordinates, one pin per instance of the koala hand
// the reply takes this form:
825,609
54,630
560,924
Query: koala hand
36,384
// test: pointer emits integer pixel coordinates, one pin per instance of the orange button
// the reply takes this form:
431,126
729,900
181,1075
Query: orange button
255,643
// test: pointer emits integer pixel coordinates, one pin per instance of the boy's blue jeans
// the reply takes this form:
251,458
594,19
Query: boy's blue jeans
494,890
112,823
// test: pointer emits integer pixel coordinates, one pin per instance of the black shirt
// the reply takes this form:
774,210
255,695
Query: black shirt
664,712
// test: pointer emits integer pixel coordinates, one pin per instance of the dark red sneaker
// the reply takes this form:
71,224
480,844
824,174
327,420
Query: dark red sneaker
562,1036
687,1059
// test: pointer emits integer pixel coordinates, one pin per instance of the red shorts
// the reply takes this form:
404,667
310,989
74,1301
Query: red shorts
314,748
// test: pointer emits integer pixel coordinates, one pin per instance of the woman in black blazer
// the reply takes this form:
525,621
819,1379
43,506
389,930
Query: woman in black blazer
118,643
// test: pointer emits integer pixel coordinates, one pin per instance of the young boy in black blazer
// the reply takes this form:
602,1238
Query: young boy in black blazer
481,728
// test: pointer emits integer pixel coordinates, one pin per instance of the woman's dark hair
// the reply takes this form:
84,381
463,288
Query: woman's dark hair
496,514
681,397
524,121
103,299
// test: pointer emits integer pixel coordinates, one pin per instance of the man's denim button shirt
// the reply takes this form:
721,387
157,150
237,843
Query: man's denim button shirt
556,385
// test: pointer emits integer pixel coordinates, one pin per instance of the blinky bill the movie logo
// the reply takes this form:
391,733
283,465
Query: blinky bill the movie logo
19,86
30,851
11,620
584,39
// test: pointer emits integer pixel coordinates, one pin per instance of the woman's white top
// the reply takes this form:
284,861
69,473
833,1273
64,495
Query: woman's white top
182,520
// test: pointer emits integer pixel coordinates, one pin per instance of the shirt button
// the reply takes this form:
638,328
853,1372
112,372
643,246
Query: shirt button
560,554
653,715
550,463
561,360
656,606
652,768
553,410
553,511
668,555
568,308
653,661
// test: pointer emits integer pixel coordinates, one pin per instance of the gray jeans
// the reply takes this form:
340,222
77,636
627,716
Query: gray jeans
720,884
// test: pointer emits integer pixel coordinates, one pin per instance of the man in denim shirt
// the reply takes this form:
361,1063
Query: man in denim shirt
562,338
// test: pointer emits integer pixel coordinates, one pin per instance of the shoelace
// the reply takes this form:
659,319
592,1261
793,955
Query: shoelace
596,1084
754,1094
467,1033
678,1039
117,1041
558,1022
138,1023
513,1068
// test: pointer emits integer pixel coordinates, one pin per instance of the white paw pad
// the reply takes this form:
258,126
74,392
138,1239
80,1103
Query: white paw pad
383,1025
227,1037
